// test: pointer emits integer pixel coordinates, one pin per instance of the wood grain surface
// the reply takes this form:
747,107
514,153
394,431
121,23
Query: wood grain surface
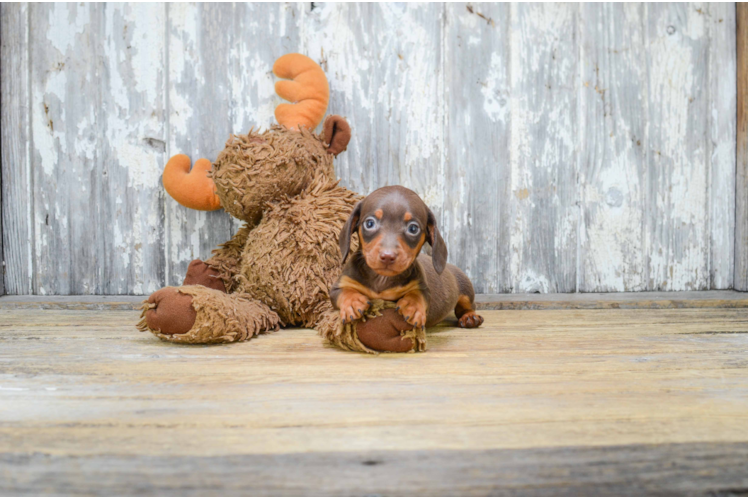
741,191
534,401
700,469
17,191
563,147
721,149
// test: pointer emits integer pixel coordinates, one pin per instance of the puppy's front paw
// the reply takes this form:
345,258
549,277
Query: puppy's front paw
352,306
412,307
471,319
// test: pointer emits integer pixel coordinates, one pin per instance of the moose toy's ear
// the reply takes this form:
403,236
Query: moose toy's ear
438,247
336,134
345,234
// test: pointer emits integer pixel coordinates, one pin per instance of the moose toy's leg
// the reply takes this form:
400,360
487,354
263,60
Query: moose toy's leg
200,273
225,263
383,330
384,333
194,314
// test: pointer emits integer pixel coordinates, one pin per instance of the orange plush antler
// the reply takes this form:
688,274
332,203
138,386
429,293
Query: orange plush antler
306,87
191,189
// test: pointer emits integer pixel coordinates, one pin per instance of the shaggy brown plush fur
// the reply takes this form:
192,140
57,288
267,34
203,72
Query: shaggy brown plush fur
256,168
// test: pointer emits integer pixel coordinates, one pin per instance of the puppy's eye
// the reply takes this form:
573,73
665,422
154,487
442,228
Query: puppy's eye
370,223
413,228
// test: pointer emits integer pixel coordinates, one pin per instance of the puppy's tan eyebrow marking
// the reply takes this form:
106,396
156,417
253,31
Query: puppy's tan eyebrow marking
408,216
379,213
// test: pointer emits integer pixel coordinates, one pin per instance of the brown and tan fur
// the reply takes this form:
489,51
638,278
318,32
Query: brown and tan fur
393,224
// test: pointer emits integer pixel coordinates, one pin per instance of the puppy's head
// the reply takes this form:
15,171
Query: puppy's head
393,223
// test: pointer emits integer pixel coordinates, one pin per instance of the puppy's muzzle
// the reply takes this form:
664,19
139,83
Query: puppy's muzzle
387,257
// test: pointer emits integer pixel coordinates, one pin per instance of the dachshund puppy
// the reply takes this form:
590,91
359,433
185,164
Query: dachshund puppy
393,223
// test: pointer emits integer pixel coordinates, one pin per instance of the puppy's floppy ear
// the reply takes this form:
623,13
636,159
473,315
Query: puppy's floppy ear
350,226
438,247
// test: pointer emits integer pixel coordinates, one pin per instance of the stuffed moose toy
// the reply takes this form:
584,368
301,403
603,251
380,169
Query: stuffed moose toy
280,266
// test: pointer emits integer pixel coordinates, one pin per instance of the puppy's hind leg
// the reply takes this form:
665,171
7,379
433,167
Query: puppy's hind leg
465,308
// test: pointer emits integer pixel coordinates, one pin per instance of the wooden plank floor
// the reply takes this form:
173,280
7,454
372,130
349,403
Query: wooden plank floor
535,402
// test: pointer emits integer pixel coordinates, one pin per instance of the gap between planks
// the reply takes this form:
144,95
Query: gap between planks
723,299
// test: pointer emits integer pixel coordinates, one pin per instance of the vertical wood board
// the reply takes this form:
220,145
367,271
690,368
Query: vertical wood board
612,142
722,103
17,192
677,183
543,152
477,195
741,191
2,260
134,146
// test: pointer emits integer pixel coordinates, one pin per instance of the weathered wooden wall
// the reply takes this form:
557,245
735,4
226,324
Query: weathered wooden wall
564,147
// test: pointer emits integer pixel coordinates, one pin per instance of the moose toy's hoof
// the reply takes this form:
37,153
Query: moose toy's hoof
384,333
170,312
200,273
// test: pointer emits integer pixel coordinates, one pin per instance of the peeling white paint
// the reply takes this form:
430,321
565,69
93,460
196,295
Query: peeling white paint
143,166
336,34
67,22
147,25
184,25
48,91
494,104
253,81
677,261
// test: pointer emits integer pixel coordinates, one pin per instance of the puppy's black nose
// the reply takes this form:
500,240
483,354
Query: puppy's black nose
387,257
